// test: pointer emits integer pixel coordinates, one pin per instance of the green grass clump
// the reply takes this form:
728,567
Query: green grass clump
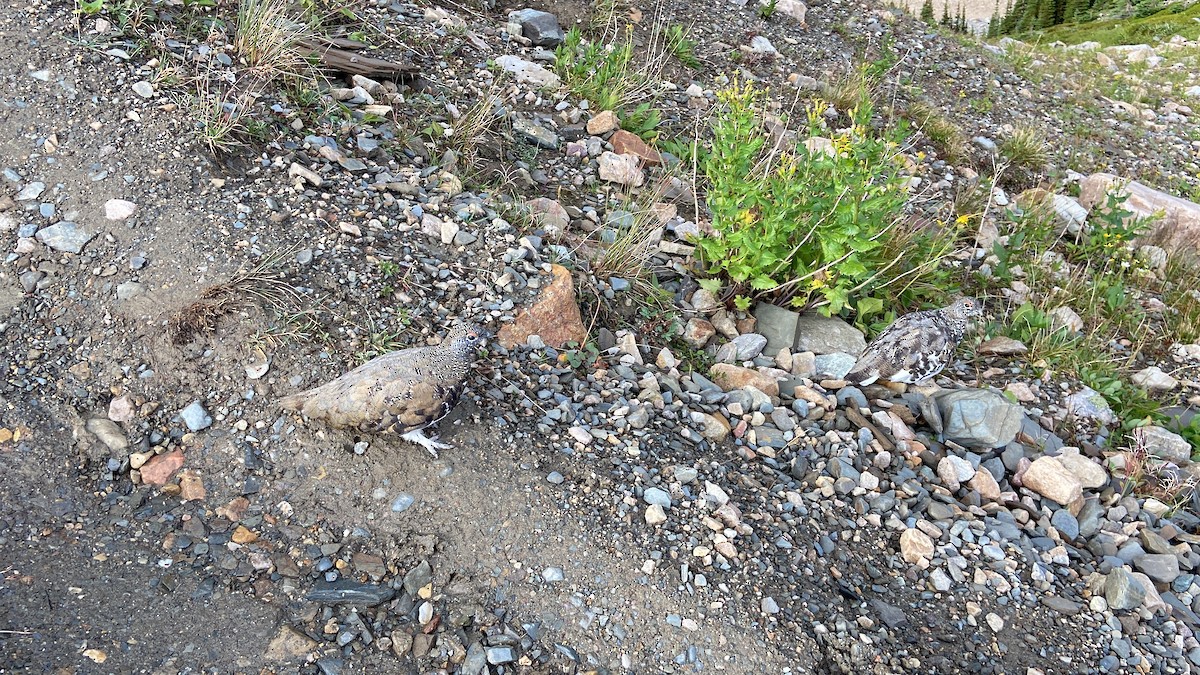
1026,150
945,135
601,74
679,45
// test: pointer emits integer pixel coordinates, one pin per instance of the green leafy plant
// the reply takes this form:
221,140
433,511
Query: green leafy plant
580,357
1110,233
689,150
806,223
642,120
679,45
767,10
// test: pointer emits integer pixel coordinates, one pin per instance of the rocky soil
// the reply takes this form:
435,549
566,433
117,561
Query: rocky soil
677,500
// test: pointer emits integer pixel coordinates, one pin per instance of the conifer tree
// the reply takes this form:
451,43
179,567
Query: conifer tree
927,12
1070,8
1009,23
946,15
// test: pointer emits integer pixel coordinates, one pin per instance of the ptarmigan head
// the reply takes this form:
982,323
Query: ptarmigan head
464,339
964,309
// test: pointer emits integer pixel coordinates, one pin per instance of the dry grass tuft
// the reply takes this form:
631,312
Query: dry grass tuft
219,122
264,284
268,36
1149,477
945,135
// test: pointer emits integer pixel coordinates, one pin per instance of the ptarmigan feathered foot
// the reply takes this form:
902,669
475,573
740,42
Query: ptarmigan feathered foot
916,346
429,443
403,392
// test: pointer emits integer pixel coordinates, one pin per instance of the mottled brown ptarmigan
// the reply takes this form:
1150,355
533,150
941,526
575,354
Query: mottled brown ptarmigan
402,392
916,346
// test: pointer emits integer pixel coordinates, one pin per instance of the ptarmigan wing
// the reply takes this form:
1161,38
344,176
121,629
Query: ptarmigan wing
898,351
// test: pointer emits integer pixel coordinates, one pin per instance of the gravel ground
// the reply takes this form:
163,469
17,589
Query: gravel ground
623,514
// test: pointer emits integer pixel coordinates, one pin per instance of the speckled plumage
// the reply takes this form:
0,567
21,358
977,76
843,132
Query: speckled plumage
402,392
916,346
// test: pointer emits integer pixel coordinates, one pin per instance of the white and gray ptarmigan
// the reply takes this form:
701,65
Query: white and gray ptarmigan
916,346
402,392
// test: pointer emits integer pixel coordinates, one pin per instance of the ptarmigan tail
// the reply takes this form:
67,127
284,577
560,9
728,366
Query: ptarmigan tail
294,402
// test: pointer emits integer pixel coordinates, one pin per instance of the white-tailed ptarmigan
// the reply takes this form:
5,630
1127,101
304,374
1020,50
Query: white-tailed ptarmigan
916,346
403,392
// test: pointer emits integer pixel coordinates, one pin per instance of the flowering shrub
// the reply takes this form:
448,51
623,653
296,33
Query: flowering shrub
806,222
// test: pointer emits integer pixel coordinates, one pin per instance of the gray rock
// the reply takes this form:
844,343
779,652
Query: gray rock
1161,567
1089,517
726,353
29,280
769,606
528,72
1154,378
941,582
657,496
891,615
541,28
1070,213
749,345
1066,524
553,574
535,133
766,436
1089,404
130,289
1162,443
30,192
827,335
501,655
195,417
782,419
108,432
985,143
418,577
476,660
1013,453
347,592
1061,605
834,366
65,236
1122,591
686,474
979,418
848,395
403,502
776,324
1045,440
